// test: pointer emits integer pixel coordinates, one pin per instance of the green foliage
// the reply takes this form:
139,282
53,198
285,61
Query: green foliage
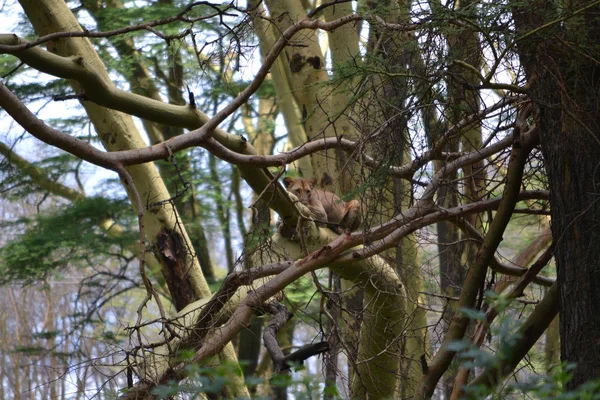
68,237
46,334
258,237
30,350
214,379
39,89
476,315
115,17
300,292
16,183
540,387
201,379
504,332
7,64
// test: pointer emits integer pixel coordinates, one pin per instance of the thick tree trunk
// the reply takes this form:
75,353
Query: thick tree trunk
560,61
572,157
138,75
283,90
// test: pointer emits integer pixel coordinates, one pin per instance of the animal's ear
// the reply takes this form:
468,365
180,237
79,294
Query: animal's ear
313,183
287,181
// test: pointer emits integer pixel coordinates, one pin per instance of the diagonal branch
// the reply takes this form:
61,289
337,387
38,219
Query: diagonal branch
82,149
477,271
101,92
491,313
332,254
37,175
522,341
496,265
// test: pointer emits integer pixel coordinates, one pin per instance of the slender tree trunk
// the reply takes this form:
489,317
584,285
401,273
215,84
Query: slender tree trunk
334,335
552,346
388,109
240,211
283,90
4,351
262,138
463,46
50,326
16,358
249,340
222,210
344,53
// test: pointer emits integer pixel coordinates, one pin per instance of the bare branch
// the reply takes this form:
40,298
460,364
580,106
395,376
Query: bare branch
85,151
281,362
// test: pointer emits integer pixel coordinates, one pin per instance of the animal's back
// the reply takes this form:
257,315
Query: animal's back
334,206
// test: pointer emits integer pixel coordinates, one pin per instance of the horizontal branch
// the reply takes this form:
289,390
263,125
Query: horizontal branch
410,221
85,151
473,157
181,17
436,153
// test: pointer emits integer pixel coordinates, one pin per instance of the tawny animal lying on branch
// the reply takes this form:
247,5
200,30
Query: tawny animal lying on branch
325,207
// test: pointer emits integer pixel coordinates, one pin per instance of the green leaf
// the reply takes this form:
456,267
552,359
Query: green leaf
470,313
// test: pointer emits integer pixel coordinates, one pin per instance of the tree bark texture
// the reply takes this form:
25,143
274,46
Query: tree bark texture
559,53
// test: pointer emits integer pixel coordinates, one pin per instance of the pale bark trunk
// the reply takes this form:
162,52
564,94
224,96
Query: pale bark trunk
141,82
343,44
283,90
305,69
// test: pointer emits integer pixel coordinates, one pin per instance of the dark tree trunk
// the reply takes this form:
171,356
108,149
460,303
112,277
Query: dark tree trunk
561,65
249,346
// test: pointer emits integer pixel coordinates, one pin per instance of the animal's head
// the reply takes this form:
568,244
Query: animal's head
301,187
